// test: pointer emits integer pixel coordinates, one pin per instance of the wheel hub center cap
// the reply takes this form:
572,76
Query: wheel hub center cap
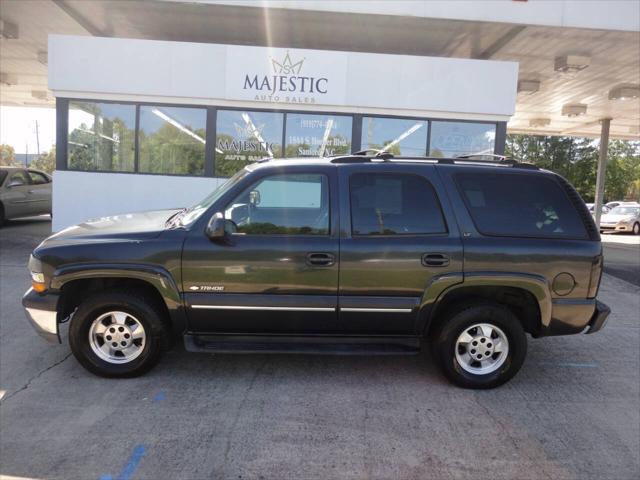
481,347
118,336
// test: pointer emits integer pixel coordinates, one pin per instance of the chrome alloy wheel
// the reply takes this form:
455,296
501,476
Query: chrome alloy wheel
481,349
117,337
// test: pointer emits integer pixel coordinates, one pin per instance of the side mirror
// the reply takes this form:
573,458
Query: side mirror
215,227
254,197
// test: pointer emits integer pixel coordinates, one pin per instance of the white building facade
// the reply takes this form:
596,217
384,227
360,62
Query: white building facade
154,124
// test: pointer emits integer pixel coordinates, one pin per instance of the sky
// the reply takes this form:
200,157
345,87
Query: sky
18,128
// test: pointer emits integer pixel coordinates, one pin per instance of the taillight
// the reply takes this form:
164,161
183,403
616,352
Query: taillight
596,275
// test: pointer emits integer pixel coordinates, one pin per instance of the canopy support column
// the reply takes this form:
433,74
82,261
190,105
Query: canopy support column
602,168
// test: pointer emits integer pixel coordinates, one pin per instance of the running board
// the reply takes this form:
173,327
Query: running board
316,345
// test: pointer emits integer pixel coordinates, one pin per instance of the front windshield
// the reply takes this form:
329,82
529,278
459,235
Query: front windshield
191,214
625,211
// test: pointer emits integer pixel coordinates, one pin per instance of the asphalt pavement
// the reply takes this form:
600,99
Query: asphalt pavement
573,412
622,256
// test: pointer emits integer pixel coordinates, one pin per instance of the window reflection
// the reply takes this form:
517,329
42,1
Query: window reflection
101,136
317,135
172,140
292,204
395,135
246,137
451,139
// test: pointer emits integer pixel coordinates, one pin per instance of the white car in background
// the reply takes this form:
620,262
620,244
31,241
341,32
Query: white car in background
623,218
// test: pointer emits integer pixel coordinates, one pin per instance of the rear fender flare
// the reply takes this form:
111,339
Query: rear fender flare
536,285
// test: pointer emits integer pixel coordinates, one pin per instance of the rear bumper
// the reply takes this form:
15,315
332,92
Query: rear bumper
599,318
571,316
41,311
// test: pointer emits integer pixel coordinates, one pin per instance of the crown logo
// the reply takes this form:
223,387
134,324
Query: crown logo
248,132
287,67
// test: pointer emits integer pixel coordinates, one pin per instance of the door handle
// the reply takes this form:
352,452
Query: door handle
435,260
320,259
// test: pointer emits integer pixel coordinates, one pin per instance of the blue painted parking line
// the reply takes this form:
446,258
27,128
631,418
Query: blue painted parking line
131,466
159,397
570,364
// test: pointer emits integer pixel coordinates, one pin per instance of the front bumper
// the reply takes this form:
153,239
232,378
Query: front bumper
42,313
616,227
599,318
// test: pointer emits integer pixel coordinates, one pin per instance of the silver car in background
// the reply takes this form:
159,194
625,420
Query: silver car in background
623,218
592,208
24,192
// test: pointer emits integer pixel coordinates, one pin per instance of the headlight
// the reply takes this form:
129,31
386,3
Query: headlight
38,282
37,277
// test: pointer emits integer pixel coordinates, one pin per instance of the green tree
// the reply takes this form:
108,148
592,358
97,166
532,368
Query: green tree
576,159
46,161
7,155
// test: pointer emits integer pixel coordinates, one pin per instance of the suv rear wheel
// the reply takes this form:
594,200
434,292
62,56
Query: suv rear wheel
117,334
480,346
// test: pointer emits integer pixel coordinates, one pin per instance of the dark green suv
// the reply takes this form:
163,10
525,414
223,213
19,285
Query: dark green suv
360,254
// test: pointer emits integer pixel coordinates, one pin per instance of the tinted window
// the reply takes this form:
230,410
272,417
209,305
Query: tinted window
3,175
101,136
394,205
317,135
451,139
37,178
519,205
296,204
246,137
395,135
172,140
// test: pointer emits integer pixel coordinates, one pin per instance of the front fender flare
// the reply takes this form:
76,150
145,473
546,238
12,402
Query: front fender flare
156,276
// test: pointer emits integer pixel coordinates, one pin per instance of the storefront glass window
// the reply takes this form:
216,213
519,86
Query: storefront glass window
317,135
101,136
246,137
172,140
450,139
395,135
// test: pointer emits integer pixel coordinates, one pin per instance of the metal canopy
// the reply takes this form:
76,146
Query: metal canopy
613,56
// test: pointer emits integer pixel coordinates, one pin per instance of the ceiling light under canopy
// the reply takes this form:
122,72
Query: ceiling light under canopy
574,109
626,91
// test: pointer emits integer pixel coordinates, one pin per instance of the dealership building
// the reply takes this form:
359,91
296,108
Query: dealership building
158,102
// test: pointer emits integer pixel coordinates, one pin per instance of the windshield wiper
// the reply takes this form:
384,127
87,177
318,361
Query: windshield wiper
173,220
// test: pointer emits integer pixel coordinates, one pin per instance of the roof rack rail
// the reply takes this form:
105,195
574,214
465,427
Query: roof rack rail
362,157
476,156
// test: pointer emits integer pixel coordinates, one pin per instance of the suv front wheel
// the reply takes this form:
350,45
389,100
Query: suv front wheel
117,334
480,346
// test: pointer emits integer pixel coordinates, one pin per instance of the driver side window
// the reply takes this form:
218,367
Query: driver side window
287,204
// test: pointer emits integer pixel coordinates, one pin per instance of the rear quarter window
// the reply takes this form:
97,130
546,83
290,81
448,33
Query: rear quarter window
513,204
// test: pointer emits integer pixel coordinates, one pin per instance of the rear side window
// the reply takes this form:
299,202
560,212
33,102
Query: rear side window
37,178
390,204
511,204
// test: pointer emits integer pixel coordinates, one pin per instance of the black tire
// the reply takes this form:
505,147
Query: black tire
456,322
142,308
2,218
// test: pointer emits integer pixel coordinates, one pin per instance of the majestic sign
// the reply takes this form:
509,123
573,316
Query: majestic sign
286,75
